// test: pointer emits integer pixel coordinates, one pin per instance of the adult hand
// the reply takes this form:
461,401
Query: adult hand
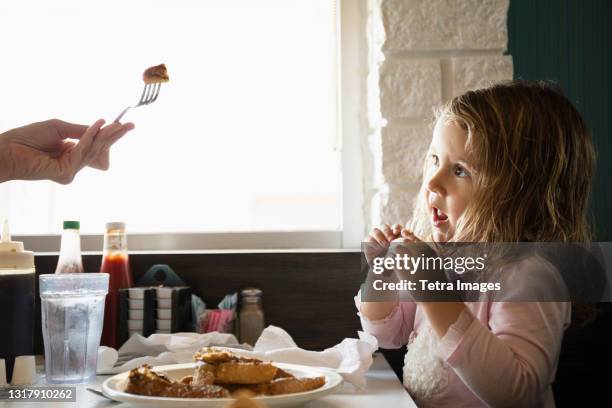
41,151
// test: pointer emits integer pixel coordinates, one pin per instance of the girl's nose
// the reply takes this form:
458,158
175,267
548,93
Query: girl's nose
435,183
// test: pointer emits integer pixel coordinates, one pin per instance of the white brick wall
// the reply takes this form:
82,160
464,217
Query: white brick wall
409,87
403,149
478,71
422,53
424,25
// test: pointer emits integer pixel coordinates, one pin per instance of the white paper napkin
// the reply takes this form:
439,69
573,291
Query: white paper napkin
351,358
159,349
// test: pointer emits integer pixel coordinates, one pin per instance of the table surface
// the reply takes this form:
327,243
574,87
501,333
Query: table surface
383,389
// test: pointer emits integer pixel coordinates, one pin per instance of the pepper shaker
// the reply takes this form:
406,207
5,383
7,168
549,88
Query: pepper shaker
251,315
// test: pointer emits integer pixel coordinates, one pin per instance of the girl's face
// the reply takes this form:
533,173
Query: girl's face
448,179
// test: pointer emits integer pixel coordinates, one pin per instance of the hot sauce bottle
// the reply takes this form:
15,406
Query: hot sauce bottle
116,263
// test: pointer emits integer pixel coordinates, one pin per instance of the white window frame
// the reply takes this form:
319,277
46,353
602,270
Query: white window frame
350,133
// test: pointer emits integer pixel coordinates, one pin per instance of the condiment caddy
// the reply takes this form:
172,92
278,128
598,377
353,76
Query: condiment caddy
150,308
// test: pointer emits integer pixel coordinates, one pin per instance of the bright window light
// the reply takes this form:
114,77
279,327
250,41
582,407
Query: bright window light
242,138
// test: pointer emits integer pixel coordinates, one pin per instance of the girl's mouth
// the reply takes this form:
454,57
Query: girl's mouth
439,217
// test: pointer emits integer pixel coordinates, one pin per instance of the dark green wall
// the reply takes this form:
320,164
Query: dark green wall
570,42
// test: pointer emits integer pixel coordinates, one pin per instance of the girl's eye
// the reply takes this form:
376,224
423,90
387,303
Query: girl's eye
434,160
461,171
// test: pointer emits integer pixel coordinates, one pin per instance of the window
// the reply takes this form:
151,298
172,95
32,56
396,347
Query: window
242,139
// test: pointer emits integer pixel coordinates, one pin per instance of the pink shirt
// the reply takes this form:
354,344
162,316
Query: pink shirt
500,354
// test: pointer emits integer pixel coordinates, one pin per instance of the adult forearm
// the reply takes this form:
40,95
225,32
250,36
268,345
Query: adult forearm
7,165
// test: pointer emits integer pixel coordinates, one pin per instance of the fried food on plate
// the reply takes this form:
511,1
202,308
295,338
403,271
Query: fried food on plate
287,385
186,379
280,373
156,74
213,355
292,385
229,368
244,373
220,373
204,374
144,381
201,391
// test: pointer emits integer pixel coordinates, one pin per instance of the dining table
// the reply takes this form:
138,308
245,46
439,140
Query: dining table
383,389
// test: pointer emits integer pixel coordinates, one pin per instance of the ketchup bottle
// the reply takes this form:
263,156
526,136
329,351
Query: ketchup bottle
116,263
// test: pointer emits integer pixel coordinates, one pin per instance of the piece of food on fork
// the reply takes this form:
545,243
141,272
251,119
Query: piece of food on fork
156,74
153,78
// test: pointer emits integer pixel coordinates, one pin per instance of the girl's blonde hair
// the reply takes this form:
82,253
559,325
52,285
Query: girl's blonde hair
534,161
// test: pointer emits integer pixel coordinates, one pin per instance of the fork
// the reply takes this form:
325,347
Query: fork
149,95
98,393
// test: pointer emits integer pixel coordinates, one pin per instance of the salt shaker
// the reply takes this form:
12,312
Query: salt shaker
251,316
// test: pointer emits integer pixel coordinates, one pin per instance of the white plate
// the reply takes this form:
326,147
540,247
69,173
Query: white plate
333,381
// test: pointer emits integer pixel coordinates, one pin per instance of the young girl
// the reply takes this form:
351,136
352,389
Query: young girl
508,163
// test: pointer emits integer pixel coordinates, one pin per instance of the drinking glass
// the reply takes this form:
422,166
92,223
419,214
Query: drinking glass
72,309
